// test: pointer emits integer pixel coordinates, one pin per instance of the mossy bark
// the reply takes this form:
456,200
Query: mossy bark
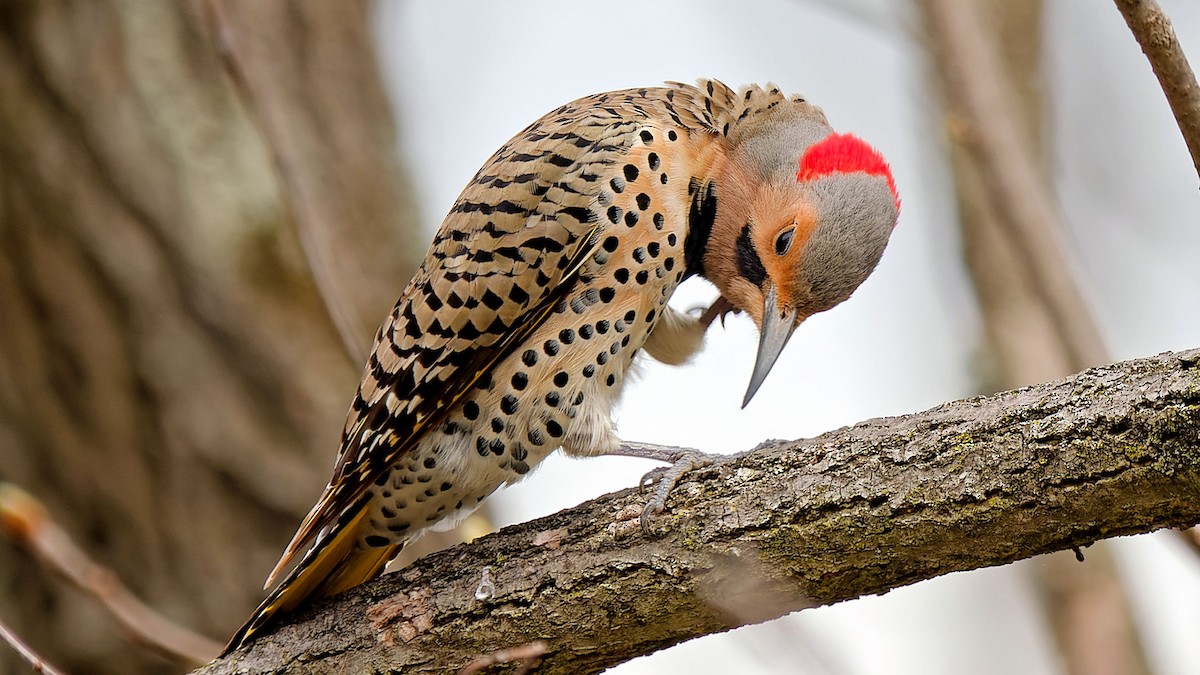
857,511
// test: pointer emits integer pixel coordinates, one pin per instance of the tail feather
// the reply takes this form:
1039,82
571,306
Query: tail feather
334,564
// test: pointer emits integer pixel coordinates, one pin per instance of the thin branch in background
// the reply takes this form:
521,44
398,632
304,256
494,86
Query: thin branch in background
528,655
36,662
1154,33
998,67
304,216
1010,177
25,521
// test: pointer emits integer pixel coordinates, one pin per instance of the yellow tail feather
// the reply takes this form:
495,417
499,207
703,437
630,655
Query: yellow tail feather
334,564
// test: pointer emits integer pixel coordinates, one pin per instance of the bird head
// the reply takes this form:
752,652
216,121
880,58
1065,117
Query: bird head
802,218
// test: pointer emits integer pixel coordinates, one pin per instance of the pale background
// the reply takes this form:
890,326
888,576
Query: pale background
467,76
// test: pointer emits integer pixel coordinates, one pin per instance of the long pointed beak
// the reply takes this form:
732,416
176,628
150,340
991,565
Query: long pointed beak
777,328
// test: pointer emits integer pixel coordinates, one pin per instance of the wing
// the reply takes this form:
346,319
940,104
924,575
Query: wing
509,249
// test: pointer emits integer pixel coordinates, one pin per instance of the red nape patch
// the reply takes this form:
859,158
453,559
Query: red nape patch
846,153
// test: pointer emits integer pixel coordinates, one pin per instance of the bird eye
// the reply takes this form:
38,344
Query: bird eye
784,241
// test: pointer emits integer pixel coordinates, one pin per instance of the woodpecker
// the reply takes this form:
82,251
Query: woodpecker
552,271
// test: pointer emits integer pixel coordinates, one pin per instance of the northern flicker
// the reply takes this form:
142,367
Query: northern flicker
552,270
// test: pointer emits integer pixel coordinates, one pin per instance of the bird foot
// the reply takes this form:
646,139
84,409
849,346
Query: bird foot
719,309
681,460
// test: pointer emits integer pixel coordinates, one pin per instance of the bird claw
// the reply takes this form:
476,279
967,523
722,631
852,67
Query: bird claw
650,478
719,309
683,462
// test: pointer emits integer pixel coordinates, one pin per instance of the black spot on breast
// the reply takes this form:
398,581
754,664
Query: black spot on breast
520,381
497,424
652,161
589,370
653,248
607,294
552,399
578,399
610,244
750,266
536,437
642,277
631,172
611,380
554,428
481,446
639,254
658,221
496,446
646,136
631,218
672,136
617,184
614,214
669,263
551,347
602,326
529,358
376,541
631,316
643,201
671,239
602,358
650,316
561,378
429,463
586,330
471,410
566,336
519,452
662,178
508,404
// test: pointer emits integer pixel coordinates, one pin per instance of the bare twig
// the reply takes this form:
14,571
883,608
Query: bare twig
24,520
527,654
1010,177
36,662
1154,33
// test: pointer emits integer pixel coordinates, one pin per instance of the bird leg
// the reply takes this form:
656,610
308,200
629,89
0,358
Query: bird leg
681,460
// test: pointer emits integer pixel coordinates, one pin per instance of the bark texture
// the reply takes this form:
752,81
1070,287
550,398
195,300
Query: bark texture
171,385
861,510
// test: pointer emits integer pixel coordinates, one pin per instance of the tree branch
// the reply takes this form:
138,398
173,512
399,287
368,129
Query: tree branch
1012,183
857,511
1154,33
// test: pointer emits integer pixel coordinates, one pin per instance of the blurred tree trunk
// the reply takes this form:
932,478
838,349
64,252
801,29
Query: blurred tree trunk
171,383
1026,342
